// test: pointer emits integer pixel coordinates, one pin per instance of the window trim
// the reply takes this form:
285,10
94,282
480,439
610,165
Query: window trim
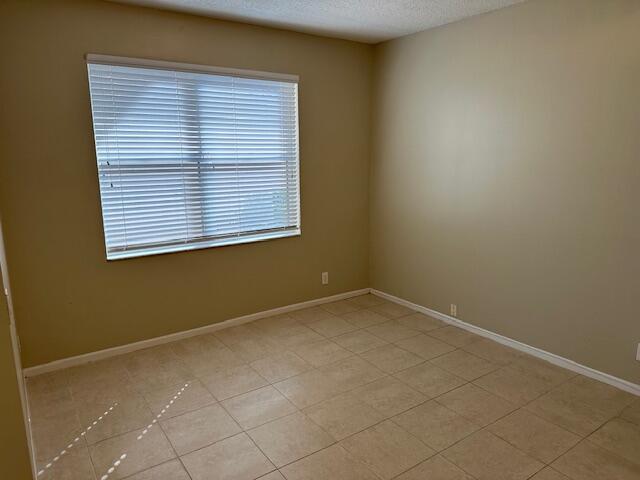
189,67
199,244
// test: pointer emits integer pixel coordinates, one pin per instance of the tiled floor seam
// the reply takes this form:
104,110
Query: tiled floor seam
75,410
245,432
552,422
616,454
123,457
200,378
78,438
170,443
338,442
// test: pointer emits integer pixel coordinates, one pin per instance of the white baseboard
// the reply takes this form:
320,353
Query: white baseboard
536,352
523,347
131,347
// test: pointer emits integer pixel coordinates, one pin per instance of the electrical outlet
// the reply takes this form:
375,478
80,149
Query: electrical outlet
454,310
325,278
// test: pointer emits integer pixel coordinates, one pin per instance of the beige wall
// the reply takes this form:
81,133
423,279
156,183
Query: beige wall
14,454
506,175
68,299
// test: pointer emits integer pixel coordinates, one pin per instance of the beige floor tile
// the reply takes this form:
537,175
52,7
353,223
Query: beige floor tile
110,371
430,380
563,409
197,345
275,475
290,438
587,461
260,406
236,458
322,352
45,403
239,333
493,351
392,310
536,437
308,388
73,465
233,381
105,393
435,425
157,367
475,404
366,301
130,414
151,450
620,437
47,383
425,346
139,362
577,404
212,361
598,394
364,318
392,331
419,321
172,470
199,428
332,326
276,324
194,396
340,307
359,341
255,348
549,473
343,416
331,463
387,449
436,468
352,372
310,315
632,413
517,387
453,336
464,364
52,433
487,457
280,367
543,371
295,336
391,359
163,376
389,396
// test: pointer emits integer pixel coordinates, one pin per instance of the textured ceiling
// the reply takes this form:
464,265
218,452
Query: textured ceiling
370,21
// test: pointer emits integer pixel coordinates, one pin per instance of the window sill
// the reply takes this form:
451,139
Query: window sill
185,247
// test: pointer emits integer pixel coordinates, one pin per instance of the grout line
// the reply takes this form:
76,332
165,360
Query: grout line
246,434
122,457
73,442
342,392
184,467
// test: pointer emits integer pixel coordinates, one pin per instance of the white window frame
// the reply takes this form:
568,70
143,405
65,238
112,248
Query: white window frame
196,68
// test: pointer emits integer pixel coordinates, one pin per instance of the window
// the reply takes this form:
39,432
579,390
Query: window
193,157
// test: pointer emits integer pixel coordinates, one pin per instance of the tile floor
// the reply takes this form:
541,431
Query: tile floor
356,389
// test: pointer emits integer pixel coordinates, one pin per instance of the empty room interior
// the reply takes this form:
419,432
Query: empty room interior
320,239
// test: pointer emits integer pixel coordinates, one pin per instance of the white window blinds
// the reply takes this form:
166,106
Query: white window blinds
191,159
